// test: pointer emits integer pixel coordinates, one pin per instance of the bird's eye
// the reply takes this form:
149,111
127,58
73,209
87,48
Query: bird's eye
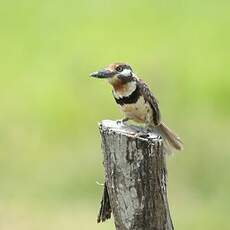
119,68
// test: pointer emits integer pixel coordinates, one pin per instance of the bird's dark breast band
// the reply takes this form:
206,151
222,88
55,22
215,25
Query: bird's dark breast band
131,99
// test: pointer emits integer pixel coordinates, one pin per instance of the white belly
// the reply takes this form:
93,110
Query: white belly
139,111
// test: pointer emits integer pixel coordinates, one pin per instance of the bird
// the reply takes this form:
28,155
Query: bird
137,102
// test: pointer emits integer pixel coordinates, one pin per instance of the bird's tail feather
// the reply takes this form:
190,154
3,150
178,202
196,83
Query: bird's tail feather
169,136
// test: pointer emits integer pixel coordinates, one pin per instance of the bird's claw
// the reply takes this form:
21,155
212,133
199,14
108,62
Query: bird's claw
122,121
149,130
119,122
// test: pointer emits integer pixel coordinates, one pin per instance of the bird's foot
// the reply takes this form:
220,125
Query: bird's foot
122,121
148,129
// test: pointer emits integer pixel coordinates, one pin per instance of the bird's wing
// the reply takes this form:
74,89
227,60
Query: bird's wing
149,97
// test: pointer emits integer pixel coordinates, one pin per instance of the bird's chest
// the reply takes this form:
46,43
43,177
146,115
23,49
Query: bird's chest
139,111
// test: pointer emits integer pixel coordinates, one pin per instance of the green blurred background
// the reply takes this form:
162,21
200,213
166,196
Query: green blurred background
50,157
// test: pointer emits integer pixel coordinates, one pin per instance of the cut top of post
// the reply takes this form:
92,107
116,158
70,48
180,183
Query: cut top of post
132,131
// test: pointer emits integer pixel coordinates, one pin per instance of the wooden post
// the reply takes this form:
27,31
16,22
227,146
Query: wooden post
135,178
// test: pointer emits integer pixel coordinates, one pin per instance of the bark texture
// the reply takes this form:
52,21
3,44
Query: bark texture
135,178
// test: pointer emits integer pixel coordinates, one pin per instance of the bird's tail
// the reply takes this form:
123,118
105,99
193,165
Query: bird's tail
169,137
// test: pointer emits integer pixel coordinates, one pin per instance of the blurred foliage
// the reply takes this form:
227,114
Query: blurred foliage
50,156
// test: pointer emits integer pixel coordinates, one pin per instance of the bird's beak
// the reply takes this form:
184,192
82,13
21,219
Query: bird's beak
102,74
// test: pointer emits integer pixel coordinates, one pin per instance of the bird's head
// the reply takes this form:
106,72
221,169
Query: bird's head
116,73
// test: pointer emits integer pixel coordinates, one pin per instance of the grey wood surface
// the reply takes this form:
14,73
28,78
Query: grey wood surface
135,178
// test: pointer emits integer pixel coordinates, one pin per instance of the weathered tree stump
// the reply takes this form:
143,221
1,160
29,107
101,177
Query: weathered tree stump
135,178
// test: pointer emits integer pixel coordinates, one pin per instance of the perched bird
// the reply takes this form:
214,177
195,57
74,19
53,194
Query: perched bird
136,101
